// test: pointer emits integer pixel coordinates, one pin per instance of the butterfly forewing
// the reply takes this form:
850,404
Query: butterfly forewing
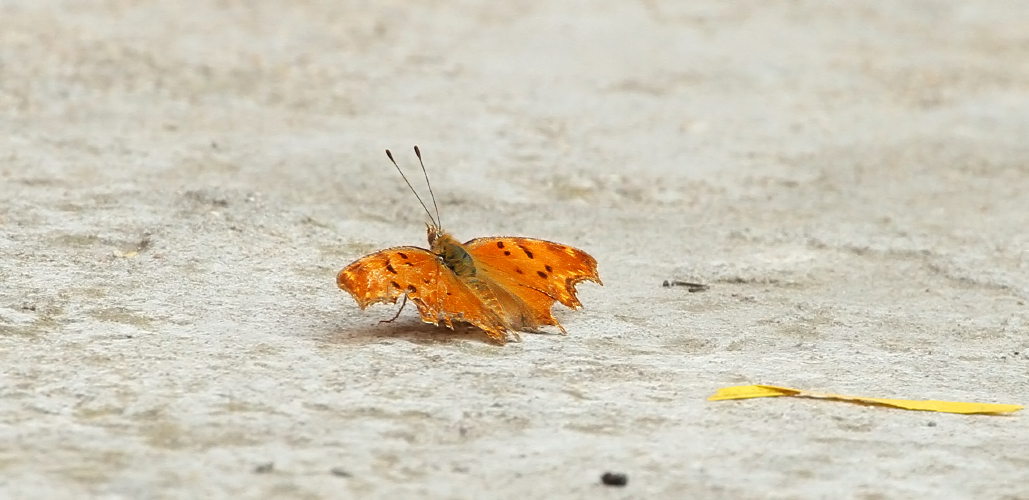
546,267
384,276
436,291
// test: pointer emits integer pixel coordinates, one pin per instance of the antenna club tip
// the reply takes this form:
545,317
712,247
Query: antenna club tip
418,152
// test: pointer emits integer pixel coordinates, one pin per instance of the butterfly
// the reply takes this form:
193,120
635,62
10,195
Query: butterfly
502,285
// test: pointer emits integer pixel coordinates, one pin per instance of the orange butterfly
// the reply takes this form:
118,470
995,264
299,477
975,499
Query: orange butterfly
501,285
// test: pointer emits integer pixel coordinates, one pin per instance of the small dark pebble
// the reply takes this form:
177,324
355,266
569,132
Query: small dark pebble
931,424
264,468
690,287
614,479
340,472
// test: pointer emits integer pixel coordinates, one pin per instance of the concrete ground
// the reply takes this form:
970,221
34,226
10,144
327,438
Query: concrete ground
181,181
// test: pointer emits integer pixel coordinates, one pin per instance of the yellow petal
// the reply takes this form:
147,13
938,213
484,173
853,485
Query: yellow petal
767,391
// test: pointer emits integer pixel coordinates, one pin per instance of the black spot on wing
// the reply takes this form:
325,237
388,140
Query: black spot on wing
526,250
542,274
389,267
395,284
500,244
402,255
519,270
507,252
549,269
412,289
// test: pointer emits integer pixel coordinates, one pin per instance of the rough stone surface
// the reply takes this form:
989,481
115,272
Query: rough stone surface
180,182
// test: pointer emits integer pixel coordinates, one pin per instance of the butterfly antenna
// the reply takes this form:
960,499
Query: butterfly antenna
390,155
418,153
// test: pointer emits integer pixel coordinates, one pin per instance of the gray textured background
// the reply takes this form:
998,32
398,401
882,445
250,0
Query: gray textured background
180,182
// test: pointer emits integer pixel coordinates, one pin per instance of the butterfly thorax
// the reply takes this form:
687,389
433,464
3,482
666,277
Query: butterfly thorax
452,253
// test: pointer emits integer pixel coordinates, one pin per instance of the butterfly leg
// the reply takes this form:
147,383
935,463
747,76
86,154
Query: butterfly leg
394,318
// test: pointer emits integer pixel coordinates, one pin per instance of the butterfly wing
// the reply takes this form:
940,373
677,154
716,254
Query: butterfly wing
536,271
386,275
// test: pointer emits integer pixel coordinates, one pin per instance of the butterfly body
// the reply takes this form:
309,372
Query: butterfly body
501,285
453,254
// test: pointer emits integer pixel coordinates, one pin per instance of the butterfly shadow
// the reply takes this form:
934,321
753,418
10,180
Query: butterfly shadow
409,329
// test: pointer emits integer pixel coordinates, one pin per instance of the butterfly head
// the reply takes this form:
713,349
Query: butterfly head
438,239
434,233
